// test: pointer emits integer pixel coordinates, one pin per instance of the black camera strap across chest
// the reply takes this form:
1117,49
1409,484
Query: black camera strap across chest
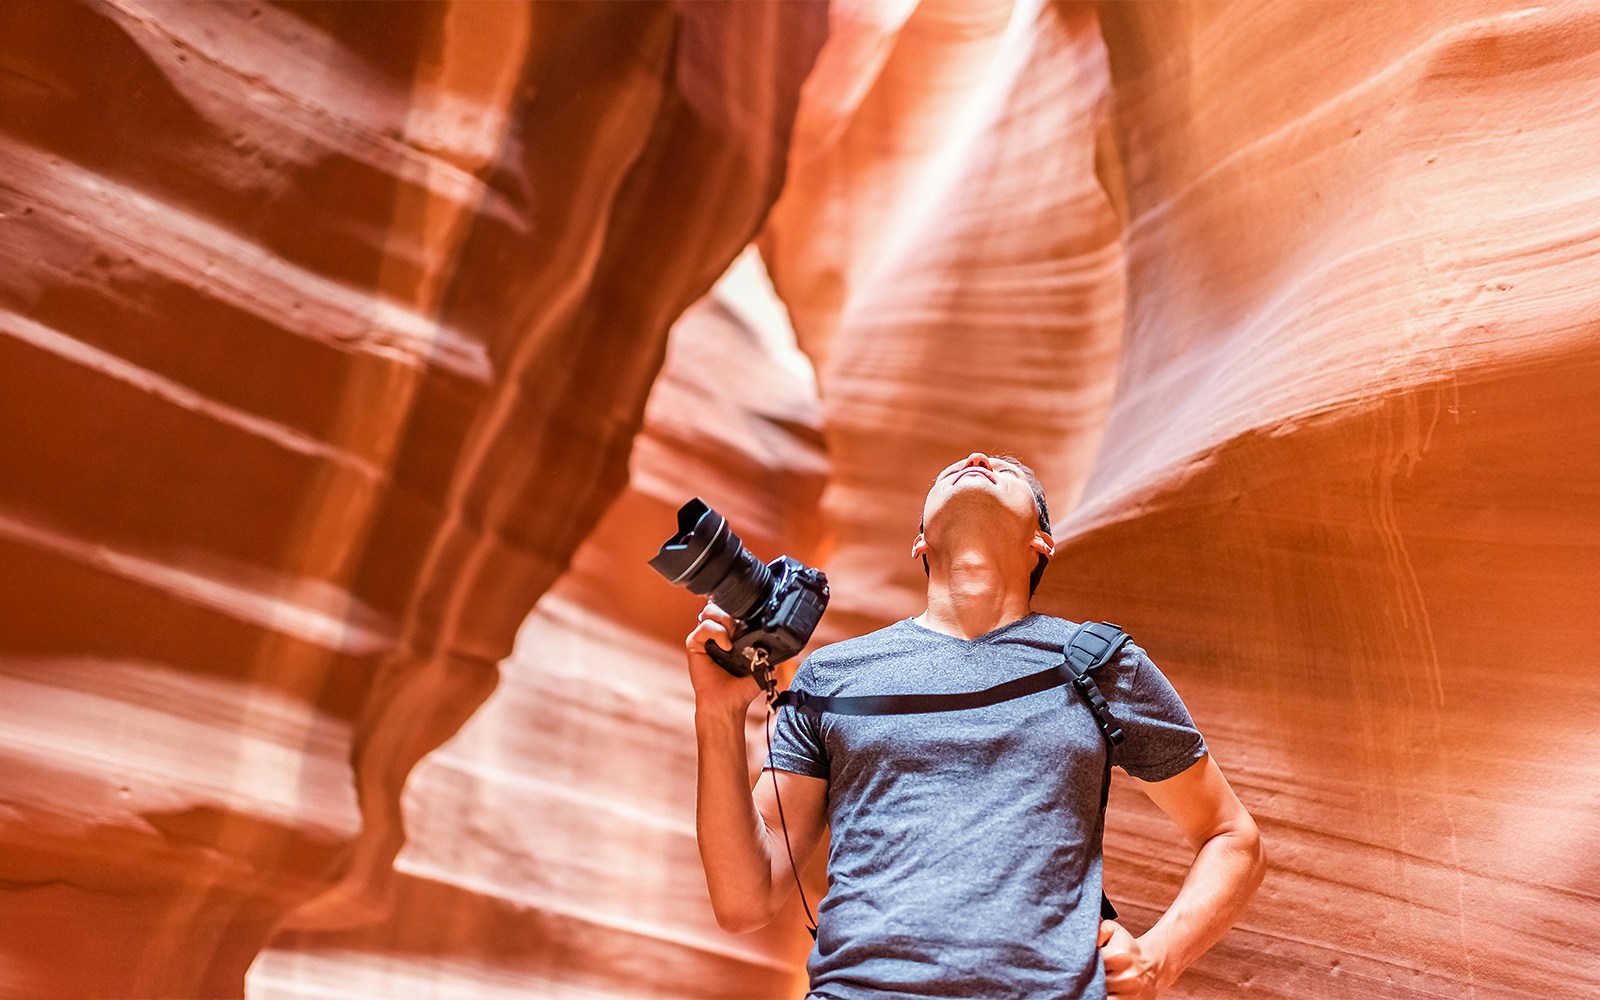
1091,646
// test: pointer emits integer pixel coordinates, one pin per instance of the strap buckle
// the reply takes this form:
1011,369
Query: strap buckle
1100,708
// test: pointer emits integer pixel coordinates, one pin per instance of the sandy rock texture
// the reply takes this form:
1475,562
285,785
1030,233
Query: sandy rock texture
1291,306
327,330
339,413
1348,485
955,270
551,845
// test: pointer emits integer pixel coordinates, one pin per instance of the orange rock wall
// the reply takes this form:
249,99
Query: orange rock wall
325,332
1289,304
551,843
1324,385
1348,484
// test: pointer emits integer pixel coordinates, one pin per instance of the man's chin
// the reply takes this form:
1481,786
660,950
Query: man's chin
974,503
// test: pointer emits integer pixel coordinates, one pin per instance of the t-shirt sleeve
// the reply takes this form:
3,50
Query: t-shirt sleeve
796,736
1160,738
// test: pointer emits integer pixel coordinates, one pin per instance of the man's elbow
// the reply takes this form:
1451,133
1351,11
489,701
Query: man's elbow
741,919
1254,850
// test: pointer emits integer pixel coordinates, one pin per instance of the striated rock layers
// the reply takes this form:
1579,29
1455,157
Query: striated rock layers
551,846
1349,483
325,332
1291,306
327,338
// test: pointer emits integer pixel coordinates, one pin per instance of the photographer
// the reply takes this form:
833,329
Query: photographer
964,859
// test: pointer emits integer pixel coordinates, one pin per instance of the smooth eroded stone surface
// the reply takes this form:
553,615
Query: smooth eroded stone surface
325,332
955,270
1347,489
325,345
1340,469
551,844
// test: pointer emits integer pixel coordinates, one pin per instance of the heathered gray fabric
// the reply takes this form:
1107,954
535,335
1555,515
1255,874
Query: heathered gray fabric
965,850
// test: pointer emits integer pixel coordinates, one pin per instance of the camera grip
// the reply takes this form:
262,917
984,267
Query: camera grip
728,660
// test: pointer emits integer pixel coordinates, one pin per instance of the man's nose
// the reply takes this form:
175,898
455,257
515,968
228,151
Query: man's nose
978,458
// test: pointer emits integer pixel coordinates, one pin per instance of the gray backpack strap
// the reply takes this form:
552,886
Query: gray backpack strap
1092,646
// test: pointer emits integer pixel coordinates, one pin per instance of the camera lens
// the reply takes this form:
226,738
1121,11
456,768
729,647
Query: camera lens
706,557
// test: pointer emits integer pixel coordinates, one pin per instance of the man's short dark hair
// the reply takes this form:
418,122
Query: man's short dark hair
1038,502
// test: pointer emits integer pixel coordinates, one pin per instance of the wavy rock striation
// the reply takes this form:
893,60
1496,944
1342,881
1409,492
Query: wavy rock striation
326,340
551,845
954,269
326,330
1347,471
1322,388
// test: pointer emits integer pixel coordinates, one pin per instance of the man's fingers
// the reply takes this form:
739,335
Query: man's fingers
1119,951
712,613
716,625
708,630
1116,962
1115,949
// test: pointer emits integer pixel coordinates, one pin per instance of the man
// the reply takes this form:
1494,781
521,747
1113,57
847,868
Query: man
965,851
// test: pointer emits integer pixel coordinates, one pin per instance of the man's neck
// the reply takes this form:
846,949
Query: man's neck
971,595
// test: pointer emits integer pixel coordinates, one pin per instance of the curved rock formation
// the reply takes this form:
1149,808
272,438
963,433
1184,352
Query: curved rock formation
1337,480
955,270
327,330
326,341
1348,479
556,830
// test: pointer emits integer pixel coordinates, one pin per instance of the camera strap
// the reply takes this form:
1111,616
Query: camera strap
1091,646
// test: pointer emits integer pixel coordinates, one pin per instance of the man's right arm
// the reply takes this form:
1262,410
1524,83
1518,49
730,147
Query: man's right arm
739,828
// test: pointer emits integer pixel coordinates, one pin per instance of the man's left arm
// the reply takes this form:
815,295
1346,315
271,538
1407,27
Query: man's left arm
1228,866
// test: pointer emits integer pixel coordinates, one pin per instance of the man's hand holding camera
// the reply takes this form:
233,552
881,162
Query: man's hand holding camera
714,688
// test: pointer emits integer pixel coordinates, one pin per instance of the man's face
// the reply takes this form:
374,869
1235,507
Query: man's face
981,482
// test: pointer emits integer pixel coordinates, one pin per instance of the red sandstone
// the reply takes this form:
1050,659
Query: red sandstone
326,339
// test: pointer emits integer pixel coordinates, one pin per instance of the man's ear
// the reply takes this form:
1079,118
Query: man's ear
1042,544
919,546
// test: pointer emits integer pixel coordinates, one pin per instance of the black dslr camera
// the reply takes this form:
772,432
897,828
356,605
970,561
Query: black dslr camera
775,606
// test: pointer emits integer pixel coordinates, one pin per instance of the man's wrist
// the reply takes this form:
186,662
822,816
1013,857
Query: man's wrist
1158,954
720,715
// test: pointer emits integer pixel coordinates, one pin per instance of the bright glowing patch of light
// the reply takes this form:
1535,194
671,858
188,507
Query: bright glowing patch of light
747,290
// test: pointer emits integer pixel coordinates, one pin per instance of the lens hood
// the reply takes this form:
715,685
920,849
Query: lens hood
706,557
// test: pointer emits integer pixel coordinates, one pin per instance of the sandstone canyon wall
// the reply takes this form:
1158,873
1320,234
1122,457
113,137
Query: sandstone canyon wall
1343,478
551,844
327,332
327,339
1348,484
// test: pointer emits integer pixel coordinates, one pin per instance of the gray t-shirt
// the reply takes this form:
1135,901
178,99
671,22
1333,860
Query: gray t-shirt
965,853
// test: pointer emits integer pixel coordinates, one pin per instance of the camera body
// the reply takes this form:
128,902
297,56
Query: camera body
782,624
775,606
